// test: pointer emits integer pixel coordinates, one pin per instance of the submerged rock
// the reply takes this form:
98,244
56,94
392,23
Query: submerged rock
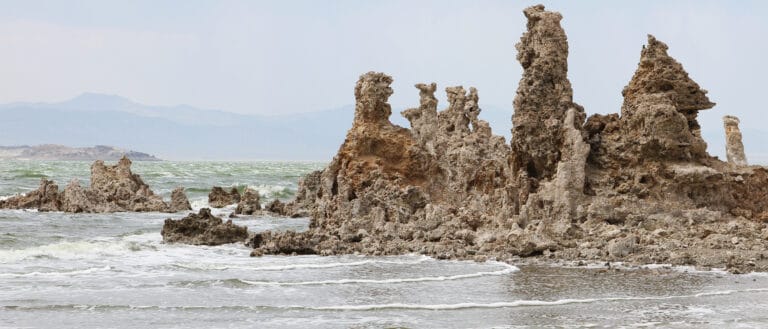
636,187
219,198
249,203
114,188
203,229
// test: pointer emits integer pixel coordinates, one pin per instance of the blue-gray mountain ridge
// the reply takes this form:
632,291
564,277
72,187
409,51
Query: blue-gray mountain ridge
187,133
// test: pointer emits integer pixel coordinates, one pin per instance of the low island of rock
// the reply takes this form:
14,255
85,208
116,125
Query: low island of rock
203,228
220,198
636,186
114,188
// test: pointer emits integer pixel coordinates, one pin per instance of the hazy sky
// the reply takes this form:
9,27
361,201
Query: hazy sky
273,57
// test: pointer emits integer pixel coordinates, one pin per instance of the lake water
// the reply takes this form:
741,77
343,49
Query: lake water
113,271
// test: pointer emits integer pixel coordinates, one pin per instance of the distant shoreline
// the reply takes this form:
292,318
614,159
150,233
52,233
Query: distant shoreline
55,152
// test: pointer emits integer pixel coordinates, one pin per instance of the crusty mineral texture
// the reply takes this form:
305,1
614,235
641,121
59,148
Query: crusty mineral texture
277,207
661,104
734,148
45,198
543,97
179,201
202,229
249,203
220,198
114,188
637,187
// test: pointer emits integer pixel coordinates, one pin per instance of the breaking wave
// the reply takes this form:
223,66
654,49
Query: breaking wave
374,307
57,274
77,249
507,270
523,303
256,267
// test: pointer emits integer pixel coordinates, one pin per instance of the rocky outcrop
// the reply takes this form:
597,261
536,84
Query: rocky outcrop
391,189
202,229
179,201
219,198
661,104
734,148
45,198
544,95
277,207
114,188
636,187
249,203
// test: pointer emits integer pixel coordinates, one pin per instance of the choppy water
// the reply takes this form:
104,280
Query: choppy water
113,271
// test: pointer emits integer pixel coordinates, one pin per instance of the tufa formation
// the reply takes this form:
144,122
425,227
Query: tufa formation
202,228
113,189
636,186
249,203
734,148
220,198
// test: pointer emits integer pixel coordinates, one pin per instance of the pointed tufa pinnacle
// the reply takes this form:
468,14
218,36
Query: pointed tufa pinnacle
734,148
544,94
658,72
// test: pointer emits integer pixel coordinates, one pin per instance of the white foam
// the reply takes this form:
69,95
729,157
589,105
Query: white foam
509,269
57,274
623,266
257,267
198,204
20,211
78,249
268,190
520,303
6,197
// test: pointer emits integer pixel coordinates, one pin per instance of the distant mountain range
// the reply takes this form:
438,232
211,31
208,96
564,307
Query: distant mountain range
61,152
189,133
183,132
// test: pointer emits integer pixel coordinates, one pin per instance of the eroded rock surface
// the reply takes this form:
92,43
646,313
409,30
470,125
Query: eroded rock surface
734,148
114,188
203,228
220,198
636,186
45,198
249,203
179,200
544,95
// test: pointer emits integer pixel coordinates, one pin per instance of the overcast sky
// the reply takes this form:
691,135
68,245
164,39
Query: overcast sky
273,57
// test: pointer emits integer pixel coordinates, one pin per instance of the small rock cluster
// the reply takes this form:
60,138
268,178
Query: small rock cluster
114,188
220,198
247,204
203,228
